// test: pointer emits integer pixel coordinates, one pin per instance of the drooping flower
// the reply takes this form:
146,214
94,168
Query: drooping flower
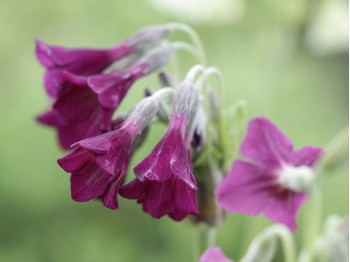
77,112
99,164
214,254
164,182
84,106
83,61
274,181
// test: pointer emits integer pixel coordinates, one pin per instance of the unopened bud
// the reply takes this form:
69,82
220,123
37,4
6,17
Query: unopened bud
166,79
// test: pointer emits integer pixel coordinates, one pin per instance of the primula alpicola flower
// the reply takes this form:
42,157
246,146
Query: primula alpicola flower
165,184
99,164
214,254
84,106
275,179
93,61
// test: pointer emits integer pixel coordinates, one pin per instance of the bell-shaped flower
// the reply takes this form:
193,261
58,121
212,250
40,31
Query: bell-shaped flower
84,61
272,179
98,166
214,254
84,106
77,113
81,61
165,184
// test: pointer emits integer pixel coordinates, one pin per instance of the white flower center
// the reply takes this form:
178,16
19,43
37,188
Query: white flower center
296,178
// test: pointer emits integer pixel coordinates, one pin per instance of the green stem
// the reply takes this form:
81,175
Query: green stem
200,84
313,217
204,237
288,245
194,37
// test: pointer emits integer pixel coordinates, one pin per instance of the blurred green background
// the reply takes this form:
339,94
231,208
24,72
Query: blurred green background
271,53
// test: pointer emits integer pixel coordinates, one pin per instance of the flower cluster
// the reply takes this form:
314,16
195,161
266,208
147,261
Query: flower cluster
85,96
84,93
185,174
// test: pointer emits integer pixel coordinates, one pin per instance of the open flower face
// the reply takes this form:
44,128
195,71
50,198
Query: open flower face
274,181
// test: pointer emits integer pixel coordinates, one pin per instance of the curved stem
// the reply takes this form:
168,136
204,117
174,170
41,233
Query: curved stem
163,92
213,71
265,244
184,46
194,71
203,239
194,37
287,243
313,218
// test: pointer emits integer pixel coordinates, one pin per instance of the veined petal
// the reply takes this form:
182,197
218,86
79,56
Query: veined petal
252,190
306,156
266,144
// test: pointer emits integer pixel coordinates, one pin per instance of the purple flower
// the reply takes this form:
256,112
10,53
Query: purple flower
86,62
165,184
78,60
79,111
84,106
274,182
214,254
98,166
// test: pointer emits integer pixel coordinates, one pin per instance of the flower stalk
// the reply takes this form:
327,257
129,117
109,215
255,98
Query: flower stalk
204,238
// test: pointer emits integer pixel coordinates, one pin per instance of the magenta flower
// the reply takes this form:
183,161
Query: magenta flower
98,166
79,112
84,106
86,62
214,254
274,183
78,60
164,182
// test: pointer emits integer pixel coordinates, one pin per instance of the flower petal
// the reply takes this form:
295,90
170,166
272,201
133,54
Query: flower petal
158,200
253,190
306,156
266,144
74,161
214,254
89,183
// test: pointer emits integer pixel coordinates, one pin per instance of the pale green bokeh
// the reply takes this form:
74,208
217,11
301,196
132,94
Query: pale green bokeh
264,62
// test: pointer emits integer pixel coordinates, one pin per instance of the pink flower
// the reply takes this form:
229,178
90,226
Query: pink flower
274,182
214,254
